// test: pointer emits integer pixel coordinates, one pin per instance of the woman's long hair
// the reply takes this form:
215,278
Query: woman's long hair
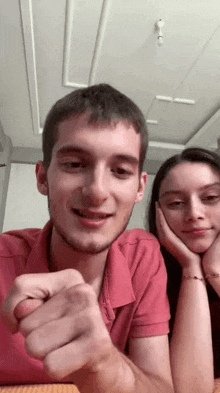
174,271
193,154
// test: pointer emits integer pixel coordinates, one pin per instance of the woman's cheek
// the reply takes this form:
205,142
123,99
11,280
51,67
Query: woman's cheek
173,220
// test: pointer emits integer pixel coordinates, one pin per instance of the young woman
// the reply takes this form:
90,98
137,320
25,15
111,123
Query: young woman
184,214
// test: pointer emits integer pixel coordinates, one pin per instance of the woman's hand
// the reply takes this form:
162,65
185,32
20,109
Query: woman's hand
211,264
174,244
211,258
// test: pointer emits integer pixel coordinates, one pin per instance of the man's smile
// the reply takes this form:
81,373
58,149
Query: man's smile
91,214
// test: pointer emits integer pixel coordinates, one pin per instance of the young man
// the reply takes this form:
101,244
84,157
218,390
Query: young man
89,301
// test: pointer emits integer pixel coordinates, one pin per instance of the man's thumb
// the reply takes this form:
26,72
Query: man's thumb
26,307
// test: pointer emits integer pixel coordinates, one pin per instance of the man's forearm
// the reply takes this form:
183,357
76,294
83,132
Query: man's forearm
120,375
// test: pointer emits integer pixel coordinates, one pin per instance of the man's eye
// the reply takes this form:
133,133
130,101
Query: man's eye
121,172
72,165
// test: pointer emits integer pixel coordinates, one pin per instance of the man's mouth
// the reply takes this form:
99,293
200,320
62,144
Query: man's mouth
91,215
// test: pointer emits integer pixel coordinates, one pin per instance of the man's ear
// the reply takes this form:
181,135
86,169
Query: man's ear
41,176
142,185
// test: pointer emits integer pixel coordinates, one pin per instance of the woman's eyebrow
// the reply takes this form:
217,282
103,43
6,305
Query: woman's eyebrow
176,192
171,192
210,185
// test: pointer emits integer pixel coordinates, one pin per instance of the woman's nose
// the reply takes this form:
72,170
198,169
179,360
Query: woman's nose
195,210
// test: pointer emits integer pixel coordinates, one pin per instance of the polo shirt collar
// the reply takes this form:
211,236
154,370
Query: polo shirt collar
38,258
117,289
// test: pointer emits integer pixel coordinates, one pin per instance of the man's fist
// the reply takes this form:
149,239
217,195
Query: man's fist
59,316
41,286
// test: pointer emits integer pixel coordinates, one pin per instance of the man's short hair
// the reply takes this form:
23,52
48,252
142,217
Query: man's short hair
104,105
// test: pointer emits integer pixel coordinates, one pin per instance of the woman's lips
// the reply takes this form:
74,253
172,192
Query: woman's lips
197,231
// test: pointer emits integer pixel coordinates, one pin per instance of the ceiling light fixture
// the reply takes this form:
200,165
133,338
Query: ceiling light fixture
149,121
176,100
159,25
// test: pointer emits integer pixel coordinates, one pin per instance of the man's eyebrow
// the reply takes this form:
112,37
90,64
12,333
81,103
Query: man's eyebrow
70,150
127,158
79,150
176,192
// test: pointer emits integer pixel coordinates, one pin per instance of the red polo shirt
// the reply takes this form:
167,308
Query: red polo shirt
133,299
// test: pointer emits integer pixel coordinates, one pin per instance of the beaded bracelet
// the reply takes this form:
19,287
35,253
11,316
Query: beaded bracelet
214,275
195,278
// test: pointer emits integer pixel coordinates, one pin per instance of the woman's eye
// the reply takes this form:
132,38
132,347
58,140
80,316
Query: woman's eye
211,198
175,204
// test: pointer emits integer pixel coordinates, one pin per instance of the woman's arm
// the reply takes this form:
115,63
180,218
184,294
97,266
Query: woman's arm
191,344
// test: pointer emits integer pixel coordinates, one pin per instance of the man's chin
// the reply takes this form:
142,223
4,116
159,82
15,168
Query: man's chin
89,246
92,247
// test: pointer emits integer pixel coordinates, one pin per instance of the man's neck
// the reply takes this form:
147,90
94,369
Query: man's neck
91,266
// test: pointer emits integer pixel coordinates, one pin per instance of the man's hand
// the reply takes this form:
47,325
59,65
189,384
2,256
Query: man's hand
37,288
59,316
61,322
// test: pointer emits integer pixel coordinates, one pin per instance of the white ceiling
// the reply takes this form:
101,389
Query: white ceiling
49,47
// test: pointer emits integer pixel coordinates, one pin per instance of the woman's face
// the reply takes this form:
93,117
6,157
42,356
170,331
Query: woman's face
189,197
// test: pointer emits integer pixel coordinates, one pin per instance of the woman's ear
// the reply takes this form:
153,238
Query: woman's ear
142,185
41,176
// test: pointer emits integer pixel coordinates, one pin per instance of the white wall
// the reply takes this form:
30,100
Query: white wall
137,219
26,207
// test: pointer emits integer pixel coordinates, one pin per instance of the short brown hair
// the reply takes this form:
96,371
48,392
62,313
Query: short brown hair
104,104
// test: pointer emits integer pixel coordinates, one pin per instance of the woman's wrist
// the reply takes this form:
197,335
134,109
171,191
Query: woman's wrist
211,271
191,261
193,273
212,276
193,270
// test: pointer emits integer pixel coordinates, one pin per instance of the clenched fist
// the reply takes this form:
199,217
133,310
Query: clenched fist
59,316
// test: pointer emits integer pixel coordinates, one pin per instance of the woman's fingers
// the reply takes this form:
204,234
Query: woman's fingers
210,260
163,230
173,244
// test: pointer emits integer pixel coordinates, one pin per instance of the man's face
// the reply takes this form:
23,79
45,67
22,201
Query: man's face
92,182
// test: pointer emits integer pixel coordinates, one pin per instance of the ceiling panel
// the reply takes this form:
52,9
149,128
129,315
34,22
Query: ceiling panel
51,48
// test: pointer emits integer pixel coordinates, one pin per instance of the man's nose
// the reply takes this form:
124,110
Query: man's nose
195,210
96,187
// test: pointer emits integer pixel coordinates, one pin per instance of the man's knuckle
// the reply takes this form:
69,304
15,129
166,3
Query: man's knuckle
74,276
20,282
50,367
34,347
23,327
80,292
86,290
